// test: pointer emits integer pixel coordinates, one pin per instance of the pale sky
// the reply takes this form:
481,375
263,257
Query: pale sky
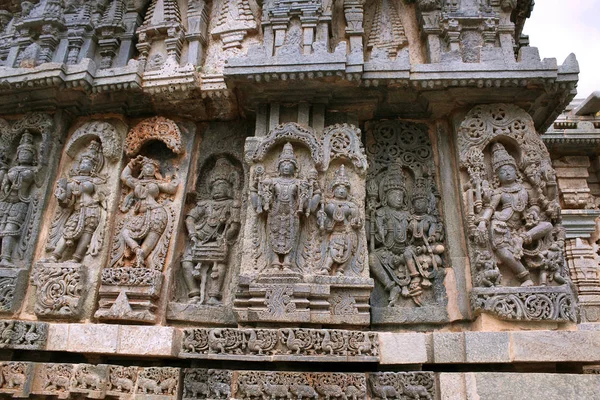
558,28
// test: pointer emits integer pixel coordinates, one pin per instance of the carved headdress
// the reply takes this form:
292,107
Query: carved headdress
393,179
26,144
222,171
94,154
501,157
287,154
340,178
420,190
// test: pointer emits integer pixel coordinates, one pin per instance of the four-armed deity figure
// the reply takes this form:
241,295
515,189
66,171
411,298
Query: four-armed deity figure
340,218
80,211
15,197
284,198
147,217
392,258
508,215
212,225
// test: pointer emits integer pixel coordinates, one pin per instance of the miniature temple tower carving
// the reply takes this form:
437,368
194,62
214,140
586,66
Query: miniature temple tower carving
513,217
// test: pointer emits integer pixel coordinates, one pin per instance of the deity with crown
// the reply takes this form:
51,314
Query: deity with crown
285,198
75,227
392,259
512,220
212,226
15,198
339,217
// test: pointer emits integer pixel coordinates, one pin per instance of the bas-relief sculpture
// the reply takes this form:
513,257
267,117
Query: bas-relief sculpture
75,247
513,217
27,148
304,237
209,265
157,151
405,229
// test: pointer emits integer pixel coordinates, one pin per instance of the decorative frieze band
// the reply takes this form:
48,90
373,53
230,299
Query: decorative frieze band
25,335
285,344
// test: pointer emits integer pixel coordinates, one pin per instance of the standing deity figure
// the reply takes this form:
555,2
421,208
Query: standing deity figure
392,259
509,216
426,234
147,217
284,198
15,197
80,200
340,218
212,225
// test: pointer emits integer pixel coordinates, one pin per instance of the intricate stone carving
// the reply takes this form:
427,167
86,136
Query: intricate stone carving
406,233
23,335
402,385
286,344
212,226
55,379
59,289
199,383
305,225
132,282
235,21
16,378
90,380
386,35
158,381
121,380
513,213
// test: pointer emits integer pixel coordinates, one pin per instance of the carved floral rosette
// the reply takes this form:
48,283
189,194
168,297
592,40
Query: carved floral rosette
206,273
313,184
512,217
74,247
157,153
27,162
406,232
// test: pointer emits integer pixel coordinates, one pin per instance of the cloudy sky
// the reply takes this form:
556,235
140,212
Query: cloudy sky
559,27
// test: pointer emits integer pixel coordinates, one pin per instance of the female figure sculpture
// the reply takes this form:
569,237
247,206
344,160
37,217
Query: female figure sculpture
340,218
15,198
505,214
80,202
147,217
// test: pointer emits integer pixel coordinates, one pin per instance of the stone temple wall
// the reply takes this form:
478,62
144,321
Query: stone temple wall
305,199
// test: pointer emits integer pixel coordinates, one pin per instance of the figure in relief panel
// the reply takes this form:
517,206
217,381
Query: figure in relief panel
15,199
147,217
212,225
80,199
340,218
284,199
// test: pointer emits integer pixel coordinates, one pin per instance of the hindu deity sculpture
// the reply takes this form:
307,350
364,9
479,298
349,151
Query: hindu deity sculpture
75,228
284,199
15,198
212,226
147,217
510,216
339,217
392,258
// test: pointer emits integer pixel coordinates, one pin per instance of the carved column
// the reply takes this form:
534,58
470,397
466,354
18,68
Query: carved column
304,257
75,243
152,187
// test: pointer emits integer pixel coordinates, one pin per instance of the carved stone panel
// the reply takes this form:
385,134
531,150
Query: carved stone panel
405,228
512,211
27,161
402,385
23,335
304,251
205,276
75,245
152,185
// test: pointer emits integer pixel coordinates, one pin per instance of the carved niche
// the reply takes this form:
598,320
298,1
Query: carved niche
157,155
74,246
516,241
304,249
208,268
405,229
26,164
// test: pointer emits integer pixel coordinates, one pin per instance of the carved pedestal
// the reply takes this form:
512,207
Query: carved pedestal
60,288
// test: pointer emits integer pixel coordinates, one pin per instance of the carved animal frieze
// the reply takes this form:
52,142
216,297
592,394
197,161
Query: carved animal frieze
402,385
199,383
23,334
279,344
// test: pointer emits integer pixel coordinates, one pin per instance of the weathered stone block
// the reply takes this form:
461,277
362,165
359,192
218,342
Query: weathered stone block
133,340
93,338
403,348
449,347
487,347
